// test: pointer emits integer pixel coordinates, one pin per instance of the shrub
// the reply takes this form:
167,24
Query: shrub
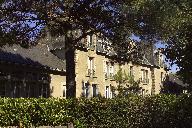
158,111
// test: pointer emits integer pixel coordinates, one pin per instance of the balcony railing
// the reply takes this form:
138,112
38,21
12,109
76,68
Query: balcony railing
91,73
144,81
109,76
91,47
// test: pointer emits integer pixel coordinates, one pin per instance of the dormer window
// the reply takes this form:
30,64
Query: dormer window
90,40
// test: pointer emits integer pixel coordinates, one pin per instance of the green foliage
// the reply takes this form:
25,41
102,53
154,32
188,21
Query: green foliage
159,111
168,21
126,83
27,19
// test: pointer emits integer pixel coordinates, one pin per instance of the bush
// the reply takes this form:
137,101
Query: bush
158,111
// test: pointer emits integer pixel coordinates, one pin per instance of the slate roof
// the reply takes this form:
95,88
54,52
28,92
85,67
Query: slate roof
173,78
54,42
38,56
147,50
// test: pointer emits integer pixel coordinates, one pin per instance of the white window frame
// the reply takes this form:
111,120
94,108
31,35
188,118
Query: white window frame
162,75
64,91
86,89
111,70
144,75
90,39
108,92
91,65
131,72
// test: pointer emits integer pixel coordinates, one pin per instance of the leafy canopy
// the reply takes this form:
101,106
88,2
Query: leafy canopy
169,21
126,83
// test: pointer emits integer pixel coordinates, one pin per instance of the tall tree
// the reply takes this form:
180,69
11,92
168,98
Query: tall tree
169,21
29,17
152,20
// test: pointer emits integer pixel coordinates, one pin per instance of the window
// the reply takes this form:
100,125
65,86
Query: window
144,76
91,70
112,92
30,90
90,40
143,92
108,68
111,71
15,89
146,92
107,92
43,90
64,90
95,90
86,90
161,77
161,59
100,44
131,71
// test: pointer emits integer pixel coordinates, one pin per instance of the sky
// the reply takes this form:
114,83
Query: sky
174,68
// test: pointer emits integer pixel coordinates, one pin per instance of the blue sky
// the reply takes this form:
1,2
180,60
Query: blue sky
174,67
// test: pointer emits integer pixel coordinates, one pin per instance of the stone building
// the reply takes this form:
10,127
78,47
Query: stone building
50,69
90,68
33,72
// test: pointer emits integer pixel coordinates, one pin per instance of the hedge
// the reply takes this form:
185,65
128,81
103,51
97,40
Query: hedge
158,111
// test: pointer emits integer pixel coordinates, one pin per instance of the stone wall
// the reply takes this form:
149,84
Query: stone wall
57,85
81,71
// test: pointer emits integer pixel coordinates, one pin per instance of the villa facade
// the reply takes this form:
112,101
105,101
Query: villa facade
49,69
90,69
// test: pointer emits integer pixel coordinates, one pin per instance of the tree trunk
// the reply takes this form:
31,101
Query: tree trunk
70,71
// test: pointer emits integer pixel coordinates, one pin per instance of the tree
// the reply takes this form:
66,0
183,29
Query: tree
179,50
115,19
29,17
168,21
126,84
